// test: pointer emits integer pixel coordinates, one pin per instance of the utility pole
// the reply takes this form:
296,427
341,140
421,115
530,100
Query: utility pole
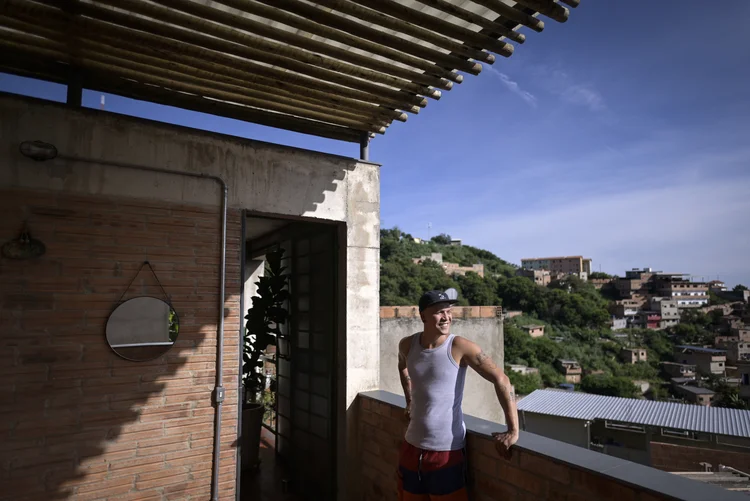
429,228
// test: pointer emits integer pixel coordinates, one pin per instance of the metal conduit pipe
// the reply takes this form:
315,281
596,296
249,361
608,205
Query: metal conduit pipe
41,151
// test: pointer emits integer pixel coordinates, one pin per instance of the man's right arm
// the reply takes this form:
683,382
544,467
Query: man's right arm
403,372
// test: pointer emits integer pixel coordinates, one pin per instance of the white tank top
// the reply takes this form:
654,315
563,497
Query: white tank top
437,389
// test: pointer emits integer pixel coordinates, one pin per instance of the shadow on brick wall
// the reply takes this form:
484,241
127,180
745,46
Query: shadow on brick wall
77,421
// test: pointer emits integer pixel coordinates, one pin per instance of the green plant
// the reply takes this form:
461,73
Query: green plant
269,407
264,321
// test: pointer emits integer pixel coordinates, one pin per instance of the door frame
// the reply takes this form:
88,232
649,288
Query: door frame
304,225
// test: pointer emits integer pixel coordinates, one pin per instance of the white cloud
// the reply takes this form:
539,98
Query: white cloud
584,96
560,83
687,228
514,87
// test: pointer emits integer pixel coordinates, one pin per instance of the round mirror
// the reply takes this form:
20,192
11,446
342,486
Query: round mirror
142,328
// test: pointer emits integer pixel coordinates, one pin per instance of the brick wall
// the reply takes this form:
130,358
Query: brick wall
669,457
458,311
76,421
527,476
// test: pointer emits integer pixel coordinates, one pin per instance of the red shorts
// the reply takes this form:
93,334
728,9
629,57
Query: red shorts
431,475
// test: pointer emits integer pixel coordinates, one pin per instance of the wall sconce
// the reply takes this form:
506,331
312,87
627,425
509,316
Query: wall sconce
38,150
23,247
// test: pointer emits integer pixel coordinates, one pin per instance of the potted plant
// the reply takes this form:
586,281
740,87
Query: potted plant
264,321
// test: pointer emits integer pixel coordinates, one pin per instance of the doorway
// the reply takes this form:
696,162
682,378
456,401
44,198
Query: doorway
301,367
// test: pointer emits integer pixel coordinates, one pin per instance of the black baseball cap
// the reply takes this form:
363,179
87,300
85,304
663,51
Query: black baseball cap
433,297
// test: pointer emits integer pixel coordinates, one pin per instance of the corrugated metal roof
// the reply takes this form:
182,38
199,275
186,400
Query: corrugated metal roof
586,406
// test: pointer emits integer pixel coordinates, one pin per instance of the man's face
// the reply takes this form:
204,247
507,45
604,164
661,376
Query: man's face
438,316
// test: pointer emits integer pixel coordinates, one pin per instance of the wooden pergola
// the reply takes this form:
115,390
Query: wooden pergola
342,69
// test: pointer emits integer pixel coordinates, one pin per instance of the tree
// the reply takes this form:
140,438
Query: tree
739,288
442,239
600,275
478,291
726,396
524,383
612,386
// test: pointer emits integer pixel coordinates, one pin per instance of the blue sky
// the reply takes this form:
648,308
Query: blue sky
618,135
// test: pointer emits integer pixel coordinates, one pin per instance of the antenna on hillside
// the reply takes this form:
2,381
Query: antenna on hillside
429,227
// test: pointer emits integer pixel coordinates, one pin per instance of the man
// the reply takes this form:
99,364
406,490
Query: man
432,366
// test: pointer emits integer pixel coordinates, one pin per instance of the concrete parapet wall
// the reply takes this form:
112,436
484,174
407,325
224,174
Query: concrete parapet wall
458,312
481,324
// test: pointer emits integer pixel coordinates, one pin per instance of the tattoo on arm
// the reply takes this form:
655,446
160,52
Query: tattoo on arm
484,362
403,373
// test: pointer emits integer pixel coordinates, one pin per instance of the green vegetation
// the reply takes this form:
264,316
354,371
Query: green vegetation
726,395
716,299
612,386
570,302
575,315
524,383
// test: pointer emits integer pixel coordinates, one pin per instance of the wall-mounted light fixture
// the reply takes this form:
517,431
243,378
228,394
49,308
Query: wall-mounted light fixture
23,247
38,150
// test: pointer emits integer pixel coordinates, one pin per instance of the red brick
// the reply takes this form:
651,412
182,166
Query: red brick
544,466
523,480
600,486
149,495
494,488
95,246
133,466
169,480
105,489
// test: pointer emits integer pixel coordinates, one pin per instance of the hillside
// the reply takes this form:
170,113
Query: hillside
574,313
572,303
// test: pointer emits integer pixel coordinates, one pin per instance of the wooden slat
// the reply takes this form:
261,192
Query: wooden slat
512,14
547,7
195,54
34,12
397,10
306,43
265,50
331,19
373,16
57,72
176,82
473,18
391,47
209,60
149,65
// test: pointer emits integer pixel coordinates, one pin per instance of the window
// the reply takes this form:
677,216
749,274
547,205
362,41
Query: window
625,427
683,434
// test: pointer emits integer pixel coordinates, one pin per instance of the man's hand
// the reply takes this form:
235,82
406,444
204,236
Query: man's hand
407,411
504,442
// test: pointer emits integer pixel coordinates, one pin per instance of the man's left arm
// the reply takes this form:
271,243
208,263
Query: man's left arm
483,364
